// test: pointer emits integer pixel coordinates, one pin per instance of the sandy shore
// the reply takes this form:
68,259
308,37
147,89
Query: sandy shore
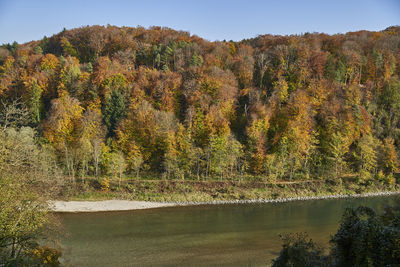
106,205
120,205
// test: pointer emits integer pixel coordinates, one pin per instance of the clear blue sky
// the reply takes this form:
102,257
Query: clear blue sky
25,20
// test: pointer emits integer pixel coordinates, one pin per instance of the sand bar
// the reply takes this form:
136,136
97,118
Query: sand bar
106,205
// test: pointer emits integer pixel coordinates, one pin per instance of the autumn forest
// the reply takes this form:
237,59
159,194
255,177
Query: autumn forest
163,103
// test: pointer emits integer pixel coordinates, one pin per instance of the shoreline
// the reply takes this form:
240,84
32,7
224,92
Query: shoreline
126,205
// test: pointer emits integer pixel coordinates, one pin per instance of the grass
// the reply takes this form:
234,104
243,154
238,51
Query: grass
212,190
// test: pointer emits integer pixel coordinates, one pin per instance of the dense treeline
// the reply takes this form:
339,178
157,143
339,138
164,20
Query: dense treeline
115,100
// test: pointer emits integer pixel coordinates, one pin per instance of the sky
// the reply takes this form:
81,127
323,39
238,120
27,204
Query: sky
26,20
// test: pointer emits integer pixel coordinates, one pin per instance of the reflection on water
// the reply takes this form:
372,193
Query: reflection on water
245,234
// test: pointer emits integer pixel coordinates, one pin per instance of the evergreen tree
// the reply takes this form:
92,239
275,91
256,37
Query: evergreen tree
113,111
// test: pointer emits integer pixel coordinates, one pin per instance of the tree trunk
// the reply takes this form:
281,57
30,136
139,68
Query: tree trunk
198,169
96,164
13,249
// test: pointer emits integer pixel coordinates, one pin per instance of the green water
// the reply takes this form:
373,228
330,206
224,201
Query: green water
235,235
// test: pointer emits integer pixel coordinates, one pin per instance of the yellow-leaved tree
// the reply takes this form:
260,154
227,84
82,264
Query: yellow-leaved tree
61,128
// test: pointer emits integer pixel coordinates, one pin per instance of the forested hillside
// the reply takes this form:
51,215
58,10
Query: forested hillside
161,102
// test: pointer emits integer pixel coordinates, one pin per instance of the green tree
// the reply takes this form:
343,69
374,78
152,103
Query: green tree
117,165
12,47
92,133
34,101
338,148
366,156
196,60
137,162
298,251
171,158
388,158
67,47
389,102
363,239
113,110
38,50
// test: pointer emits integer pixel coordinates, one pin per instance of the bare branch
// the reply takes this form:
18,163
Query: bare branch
13,114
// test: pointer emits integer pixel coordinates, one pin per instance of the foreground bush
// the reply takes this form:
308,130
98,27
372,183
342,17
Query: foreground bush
363,239
28,178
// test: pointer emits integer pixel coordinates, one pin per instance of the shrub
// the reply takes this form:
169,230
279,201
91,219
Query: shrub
298,250
46,256
105,184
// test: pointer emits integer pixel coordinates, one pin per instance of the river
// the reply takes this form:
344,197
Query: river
238,235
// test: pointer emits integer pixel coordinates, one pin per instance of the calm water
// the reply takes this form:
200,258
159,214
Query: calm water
246,234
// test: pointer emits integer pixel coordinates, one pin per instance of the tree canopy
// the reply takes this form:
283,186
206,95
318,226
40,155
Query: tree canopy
173,104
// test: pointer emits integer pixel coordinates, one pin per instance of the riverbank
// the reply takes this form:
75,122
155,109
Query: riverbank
124,205
194,191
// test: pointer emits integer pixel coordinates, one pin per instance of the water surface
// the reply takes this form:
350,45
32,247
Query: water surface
241,234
